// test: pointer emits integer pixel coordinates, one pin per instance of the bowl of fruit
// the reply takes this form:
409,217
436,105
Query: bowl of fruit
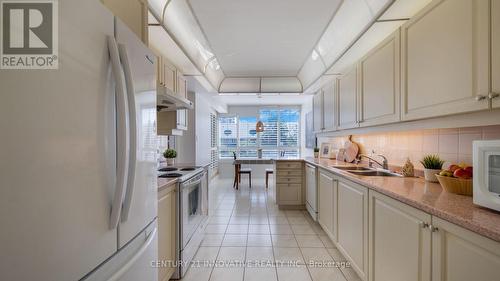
457,179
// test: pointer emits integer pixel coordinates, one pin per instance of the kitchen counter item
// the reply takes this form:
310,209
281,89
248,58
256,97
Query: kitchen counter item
351,150
456,185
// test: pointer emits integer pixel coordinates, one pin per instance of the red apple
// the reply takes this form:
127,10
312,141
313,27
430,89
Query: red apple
453,167
462,173
468,169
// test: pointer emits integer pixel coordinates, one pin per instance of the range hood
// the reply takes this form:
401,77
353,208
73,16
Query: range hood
168,101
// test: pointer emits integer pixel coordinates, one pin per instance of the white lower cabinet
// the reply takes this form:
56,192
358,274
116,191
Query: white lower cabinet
461,255
399,241
352,224
387,240
327,197
166,232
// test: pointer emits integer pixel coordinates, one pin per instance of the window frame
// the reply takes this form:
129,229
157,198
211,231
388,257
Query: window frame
256,115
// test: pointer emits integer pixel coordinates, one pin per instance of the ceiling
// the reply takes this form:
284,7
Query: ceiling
263,37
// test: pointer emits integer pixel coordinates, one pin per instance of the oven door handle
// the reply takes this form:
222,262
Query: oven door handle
194,182
190,184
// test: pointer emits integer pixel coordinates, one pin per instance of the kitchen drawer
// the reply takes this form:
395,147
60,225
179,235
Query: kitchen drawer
296,179
289,165
288,173
289,194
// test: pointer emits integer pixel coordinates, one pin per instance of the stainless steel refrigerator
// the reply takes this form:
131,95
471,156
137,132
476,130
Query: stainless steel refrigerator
78,191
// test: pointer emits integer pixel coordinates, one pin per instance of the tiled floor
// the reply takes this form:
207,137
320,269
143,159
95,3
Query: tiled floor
248,238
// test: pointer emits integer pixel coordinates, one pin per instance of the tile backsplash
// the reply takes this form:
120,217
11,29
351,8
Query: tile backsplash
452,145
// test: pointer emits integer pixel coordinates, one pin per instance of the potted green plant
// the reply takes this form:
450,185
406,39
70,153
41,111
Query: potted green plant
432,166
170,154
316,152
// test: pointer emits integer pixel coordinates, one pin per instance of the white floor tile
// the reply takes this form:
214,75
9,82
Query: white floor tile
236,254
258,229
259,240
212,240
237,229
302,229
259,220
284,241
239,220
299,273
280,229
316,255
260,254
206,254
215,229
297,220
260,274
286,255
227,274
234,240
326,274
278,220
218,220
197,274
309,241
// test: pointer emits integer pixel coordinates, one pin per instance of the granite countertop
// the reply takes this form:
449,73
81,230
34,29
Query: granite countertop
428,197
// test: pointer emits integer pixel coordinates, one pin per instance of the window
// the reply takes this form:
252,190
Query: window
280,137
228,136
214,153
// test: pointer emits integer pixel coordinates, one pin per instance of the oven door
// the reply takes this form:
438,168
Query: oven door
191,207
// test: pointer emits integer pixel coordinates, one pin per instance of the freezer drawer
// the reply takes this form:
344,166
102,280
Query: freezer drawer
135,261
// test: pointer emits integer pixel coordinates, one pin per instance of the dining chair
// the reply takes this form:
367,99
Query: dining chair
238,171
269,172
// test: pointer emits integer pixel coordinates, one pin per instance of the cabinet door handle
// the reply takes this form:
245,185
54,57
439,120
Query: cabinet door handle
433,228
493,95
480,97
423,224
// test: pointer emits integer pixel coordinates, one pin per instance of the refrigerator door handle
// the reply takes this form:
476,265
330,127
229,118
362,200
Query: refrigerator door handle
122,135
118,274
132,131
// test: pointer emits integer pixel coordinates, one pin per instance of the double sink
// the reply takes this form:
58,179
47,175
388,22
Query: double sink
364,171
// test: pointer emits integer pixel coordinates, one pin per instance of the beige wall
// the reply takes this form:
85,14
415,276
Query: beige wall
453,145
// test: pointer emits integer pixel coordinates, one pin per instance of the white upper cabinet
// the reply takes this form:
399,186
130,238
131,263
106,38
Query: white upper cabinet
169,75
380,84
495,52
329,106
347,100
399,241
461,255
444,54
318,111
181,89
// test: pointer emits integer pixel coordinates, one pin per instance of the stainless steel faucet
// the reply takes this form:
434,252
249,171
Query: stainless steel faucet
384,164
